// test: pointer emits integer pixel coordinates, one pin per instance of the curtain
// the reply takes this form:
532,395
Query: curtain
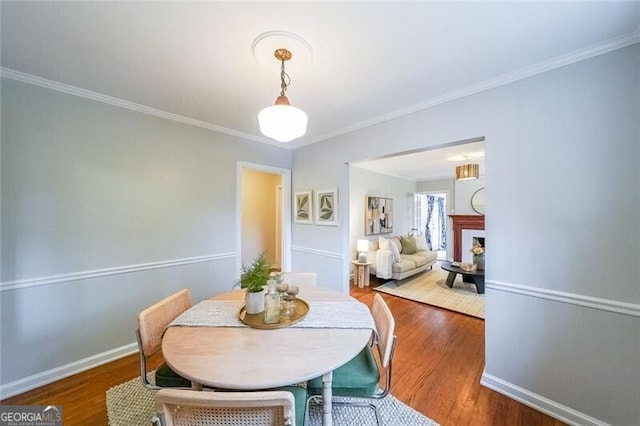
430,203
443,235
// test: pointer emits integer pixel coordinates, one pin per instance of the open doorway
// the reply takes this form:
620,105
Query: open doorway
432,220
264,219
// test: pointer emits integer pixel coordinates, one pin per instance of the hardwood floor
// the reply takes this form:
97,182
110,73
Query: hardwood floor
436,369
437,365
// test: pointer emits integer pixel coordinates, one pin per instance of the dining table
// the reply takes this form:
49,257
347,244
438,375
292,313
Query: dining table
209,344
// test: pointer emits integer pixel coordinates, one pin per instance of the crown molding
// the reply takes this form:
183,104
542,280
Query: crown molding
111,100
554,63
504,79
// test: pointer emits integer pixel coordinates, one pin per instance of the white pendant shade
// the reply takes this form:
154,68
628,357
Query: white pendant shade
283,123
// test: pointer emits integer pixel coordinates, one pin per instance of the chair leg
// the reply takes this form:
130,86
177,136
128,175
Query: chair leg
317,399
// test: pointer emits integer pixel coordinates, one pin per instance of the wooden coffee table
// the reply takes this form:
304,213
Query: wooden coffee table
475,277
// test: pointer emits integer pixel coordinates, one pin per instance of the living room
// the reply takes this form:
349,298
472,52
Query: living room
108,206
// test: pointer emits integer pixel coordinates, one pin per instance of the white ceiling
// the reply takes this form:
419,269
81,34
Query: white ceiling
371,61
427,164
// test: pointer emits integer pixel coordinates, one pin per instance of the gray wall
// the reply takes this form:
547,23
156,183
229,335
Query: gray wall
563,202
365,183
104,212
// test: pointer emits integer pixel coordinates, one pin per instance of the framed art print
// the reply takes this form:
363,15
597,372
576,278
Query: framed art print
302,205
378,216
326,207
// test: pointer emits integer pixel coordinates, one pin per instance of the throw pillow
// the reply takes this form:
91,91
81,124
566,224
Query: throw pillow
421,242
396,241
408,244
394,251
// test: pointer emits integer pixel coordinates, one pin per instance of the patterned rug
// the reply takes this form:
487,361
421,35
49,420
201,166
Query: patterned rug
130,404
430,288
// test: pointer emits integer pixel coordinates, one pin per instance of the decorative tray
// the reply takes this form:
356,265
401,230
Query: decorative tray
300,310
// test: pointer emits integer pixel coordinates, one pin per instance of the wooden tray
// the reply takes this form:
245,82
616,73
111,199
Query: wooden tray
301,309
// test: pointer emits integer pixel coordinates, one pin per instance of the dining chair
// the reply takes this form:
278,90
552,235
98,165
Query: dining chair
178,407
151,325
295,278
360,377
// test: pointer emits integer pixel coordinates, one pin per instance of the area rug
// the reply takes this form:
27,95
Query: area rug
430,288
130,404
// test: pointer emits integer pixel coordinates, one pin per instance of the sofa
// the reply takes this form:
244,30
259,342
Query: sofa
399,257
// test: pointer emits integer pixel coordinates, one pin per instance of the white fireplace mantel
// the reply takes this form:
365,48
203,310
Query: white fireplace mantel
467,243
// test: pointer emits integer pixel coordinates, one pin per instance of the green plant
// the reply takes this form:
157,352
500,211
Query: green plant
254,277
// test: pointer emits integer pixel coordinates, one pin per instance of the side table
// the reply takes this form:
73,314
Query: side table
362,273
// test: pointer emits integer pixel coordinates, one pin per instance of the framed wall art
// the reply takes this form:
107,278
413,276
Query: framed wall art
302,208
378,217
326,207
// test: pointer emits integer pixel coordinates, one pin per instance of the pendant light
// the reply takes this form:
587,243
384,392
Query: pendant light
282,121
467,171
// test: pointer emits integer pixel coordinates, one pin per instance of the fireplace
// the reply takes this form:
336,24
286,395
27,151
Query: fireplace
470,238
474,227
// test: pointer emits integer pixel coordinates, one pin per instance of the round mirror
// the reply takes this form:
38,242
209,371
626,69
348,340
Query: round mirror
477,201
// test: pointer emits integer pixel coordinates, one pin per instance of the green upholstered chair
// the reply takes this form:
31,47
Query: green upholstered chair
187,407
359,378
151,324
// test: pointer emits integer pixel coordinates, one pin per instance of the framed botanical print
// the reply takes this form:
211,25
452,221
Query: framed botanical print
326,207
302,205
378,216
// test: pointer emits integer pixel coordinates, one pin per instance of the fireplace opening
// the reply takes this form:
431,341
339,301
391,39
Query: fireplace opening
478,241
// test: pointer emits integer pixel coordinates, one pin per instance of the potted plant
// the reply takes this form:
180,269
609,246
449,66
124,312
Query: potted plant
253,279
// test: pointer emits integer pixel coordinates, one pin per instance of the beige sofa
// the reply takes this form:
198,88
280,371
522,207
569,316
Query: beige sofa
384,265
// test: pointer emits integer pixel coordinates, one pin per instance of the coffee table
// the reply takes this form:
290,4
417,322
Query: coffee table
475,277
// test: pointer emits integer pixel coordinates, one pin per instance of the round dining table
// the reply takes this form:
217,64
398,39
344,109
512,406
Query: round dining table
244,358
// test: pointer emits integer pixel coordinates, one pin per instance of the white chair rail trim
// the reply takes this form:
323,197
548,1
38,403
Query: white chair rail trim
317,252
609,305
83,275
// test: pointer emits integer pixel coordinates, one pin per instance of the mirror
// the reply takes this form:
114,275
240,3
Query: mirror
477,201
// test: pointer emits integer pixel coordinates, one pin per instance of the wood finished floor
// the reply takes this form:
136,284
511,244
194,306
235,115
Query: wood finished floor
437,366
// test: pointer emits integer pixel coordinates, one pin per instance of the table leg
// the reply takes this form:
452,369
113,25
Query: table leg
479,282
366,275
450,278
327,420
360,276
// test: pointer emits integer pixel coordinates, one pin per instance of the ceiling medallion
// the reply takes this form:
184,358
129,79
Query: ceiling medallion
266,43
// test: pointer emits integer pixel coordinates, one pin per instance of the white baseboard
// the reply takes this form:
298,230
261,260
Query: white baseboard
540,403
40,379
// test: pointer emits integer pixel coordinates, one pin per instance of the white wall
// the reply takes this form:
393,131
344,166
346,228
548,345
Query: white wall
365,183
563,202
463,193
104,212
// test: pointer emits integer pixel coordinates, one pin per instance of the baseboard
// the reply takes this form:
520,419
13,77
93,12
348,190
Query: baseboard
40,379
540,403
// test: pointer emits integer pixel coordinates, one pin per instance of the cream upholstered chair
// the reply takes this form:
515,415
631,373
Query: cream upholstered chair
297,278
359,378
177,407
151,324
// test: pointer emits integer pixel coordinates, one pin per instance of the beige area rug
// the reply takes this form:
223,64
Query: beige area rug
430,288
130,404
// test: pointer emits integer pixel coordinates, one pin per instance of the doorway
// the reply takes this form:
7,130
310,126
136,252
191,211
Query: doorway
431,220
264,220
